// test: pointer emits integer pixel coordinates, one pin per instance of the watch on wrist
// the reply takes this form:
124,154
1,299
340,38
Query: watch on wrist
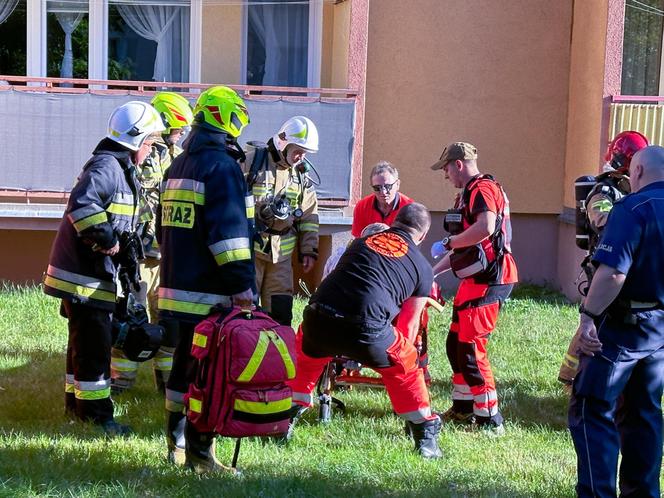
446,243
584,311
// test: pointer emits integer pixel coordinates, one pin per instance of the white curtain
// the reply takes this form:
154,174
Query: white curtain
6,9
283,30
68,22
163,24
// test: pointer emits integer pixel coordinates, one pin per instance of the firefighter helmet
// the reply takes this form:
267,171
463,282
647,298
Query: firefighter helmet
133,122
174,109
621,149
220,108
298,130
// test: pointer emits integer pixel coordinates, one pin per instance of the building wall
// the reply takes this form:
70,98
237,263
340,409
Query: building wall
492,73
25,254
221,44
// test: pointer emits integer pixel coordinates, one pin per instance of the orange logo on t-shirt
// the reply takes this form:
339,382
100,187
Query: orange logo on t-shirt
388,244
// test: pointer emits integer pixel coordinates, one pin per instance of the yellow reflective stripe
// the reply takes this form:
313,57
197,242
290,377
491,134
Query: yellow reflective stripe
258,190
183,195
174,406
69,388
183,306
95,219
93,395
574,362
256,357
251,211
308,227
122,209
262,407
79,290
199,340
163,363
285,355
603,206
195,405
232,255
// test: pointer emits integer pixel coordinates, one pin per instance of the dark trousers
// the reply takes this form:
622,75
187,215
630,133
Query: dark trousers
87,383
183,363
599,433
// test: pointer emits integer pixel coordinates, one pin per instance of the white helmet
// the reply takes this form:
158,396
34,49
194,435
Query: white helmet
131,123
298,130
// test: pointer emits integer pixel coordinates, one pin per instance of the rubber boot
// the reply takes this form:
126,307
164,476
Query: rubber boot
425,435
200,453
175,426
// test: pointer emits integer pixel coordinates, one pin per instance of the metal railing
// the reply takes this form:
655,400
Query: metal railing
644,114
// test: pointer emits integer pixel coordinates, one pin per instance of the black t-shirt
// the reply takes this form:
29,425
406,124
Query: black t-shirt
374,277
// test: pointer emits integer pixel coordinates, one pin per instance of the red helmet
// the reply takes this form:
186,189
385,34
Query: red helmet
621,149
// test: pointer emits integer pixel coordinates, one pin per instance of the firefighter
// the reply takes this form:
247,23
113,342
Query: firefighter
621,340
82,269
204,227
478,224
383,205
176,116
286,212
351,315
611,186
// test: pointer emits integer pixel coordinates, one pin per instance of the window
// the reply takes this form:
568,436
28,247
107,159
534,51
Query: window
13,28
67,39
282,43
148,41
642,47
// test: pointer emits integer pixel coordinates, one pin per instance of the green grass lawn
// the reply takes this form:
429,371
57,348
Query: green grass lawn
362,453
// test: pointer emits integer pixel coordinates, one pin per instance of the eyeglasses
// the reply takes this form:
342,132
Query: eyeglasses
387,188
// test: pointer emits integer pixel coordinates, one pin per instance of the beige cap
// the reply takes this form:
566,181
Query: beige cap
454,151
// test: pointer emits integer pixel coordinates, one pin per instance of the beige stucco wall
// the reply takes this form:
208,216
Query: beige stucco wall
493,73
586,83
221,44
334,56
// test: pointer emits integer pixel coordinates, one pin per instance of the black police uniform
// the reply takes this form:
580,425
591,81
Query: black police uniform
631,362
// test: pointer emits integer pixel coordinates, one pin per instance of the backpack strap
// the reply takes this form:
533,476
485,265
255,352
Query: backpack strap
258,164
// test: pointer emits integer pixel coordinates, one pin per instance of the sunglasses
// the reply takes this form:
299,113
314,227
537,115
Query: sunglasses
387,188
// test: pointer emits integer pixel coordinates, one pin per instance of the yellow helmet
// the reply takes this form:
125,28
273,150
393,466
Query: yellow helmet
174,109
220,108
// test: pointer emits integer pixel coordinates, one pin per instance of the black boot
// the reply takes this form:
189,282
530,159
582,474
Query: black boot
200,452
425,435
175,422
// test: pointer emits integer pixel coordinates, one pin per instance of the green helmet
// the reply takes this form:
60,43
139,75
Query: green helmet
221,109
174,110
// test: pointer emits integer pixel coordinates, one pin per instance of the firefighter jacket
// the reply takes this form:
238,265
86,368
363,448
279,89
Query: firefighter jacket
150,175
102,205
204,228
276,239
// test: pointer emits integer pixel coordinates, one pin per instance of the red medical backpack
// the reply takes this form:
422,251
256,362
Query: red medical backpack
243,360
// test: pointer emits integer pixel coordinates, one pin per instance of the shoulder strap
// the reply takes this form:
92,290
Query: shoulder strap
260,159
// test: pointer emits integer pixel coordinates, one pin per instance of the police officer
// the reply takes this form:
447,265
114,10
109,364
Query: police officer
622,344
286,212
176,115
205,224
611,186
351,315
82,271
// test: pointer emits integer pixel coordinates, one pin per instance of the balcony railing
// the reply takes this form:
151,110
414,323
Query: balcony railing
640,113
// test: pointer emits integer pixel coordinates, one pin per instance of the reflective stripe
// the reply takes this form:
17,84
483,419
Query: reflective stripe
603,206
486,404
122,209
195,405
123,365
256,357
571,361
174,396
461,392
249,203
195,303
69,383
199,340
226,251
174,407
262,407
92,390
165,364
84,212
285,355
87,216
303,398
308,227
77,278
79,290
417,416
259,190
184,189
